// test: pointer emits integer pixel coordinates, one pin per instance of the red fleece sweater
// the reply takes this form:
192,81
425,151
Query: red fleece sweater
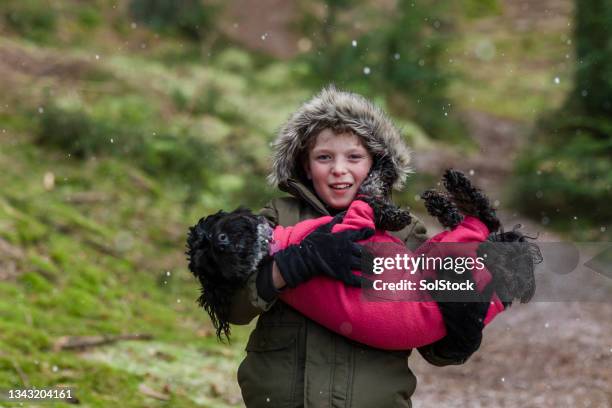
378,319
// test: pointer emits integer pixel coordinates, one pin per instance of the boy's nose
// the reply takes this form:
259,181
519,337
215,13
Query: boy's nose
339,168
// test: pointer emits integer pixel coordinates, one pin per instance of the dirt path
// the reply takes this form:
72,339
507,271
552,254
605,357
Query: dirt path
543,354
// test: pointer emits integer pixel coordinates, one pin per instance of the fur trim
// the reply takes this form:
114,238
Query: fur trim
338,109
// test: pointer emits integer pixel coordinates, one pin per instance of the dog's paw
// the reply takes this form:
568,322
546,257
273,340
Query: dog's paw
469,199
389,217
442,208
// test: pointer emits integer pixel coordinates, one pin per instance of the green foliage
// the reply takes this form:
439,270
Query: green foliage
89,16
399,56
481,8
29,19
74,131
593,39
567,174
35,282
68,285
121,129
191,18
235,60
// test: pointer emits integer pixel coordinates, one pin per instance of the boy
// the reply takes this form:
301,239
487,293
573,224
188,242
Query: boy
321,156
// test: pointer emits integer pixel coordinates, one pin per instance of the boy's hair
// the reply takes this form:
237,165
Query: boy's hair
310,143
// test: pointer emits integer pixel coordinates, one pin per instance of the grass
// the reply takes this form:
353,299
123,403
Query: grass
95,240
86,269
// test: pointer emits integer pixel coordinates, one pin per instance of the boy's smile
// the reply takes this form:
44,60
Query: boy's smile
337,165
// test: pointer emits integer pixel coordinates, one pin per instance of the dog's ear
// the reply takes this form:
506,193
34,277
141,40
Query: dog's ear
198,244
215,300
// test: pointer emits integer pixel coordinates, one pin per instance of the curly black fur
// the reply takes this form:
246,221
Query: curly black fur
511,259
376,191
223,249
442,208
469,199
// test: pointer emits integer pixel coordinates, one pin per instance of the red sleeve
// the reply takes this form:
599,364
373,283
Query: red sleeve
473,231
380,323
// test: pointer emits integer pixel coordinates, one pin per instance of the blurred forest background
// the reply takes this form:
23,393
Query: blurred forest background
124,121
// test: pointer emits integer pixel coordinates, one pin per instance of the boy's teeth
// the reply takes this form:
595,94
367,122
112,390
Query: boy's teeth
341,186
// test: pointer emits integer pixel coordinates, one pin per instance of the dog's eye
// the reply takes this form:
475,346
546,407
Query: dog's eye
222,239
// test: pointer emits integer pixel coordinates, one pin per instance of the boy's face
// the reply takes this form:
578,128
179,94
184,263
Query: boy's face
337,165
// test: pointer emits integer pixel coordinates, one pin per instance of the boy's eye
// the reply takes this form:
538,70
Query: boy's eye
356,156
323,157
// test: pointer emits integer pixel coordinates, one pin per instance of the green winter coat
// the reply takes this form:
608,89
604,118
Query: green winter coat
294,362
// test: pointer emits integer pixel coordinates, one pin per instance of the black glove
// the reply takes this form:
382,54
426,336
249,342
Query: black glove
321,252
464,313
324,253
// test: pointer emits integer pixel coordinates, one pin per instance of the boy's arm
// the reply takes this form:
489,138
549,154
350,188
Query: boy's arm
466,320
416,236
388,325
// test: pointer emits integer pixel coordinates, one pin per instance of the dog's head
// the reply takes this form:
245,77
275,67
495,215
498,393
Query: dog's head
223,249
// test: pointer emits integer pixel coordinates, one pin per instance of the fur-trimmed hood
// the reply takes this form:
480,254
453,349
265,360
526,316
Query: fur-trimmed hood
333,108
